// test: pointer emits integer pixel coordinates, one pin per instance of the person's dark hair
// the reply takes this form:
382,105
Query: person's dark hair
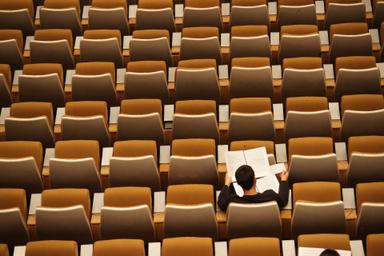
245,177
329,252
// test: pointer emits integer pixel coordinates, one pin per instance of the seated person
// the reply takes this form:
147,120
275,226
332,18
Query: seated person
245,177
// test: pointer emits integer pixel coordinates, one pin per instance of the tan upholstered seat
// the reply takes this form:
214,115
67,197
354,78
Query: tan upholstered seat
128,197
119,247
187,246
254,246
331,241
51,247
374,244
365,144
195,107
135,148
251,62
190,194
310,146
193,147
319,192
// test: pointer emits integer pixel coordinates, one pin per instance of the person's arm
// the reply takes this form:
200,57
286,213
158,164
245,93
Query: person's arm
283,190
225,194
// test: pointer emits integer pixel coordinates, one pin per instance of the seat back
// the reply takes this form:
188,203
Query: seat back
299,46
151,49
352,12
17,19
11,54
57,51
14,230
155,19
108,18
61,18
330,241
200,48
364,167
350,45
316,191
296,14
252,46
202,17
107,49
357,123
5,93
119,247
254,246
370,219
187,246
190,194
249,15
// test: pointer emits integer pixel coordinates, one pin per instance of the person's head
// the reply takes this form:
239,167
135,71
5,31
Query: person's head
245,177
329,252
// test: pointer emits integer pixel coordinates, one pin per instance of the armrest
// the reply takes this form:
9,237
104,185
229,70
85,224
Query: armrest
49,153
225,9
324,40
288,247
154,249
334,110
275,38
223,72
357,247
375,35
77,42
132,11
380,66
165,154
328,70
86,250
19,250
169,111
319,7
281,153
278,112
176,39
349,198
60,112
225,39
86,11
107,154
28,39
171,74
114,115
221,249
5,112
341,151
221,150
368,5
179,10
35,202
159,201
272,8
126,41
276,72
98,202
38,8
288,206
223,113
16,75
68,76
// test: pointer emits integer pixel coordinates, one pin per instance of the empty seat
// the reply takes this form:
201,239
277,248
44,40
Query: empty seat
12,47
357,123
254,246
42,82
330,241
119,247
86,120
102,45
352,12
302,63
139,113
252,13
200,14
355,62
76,165
53,46
193,147
319,192
146,79
155,15
190,194
195,107
310,146
289,14
30,121
64,215
250,62
365,144
370,192
374,244
61,14
5,85
365,167
362,102
247,220
299,45
329,218
20,165
127,214
51,247
134,163
306,103
18,14
249,144
370,219
188,246
4,250
13,215
95,81
250,41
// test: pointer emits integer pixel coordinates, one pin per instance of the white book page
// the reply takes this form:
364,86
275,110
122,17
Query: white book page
239,191
233,160
277,168
257,158
309,251
267,183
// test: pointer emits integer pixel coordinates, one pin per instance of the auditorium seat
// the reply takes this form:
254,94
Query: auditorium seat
195,107
365,144
4,250
352,10
330,241
17,14
200,43
119,247
374,244
134,163
151,44
86,120
64,215
249,13
53,46
127,213
155,15
251,62
308,124
12,47
76,165
370,192
95,81
190,194
202,13
329,218
355,62
42,82
138,113
253,220
146,79
290,13
254,246
360,123
109,15
5,85
65,14
51,247
13,215
102,45
30,121
187,246
20,165
310,146
362,102
319,192
302,63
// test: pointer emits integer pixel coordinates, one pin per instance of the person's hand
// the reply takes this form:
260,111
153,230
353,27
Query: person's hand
284,175
228,180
